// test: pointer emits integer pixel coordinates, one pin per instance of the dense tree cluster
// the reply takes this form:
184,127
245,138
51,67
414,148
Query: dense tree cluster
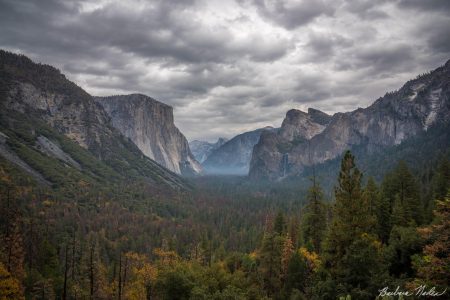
226,242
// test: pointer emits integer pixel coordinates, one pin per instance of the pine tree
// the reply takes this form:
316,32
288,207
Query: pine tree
401,186
404,242
379,209
371,195
315,218
279,224
297,275
351,216
293,231
270,261
401,215
441,180
350,227
383,218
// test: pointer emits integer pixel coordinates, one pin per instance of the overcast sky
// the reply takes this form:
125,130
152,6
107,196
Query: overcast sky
233,66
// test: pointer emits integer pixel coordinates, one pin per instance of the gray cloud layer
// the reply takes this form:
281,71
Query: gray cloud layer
231,66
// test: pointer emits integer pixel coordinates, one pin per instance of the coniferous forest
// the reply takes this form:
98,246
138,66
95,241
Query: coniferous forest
228,239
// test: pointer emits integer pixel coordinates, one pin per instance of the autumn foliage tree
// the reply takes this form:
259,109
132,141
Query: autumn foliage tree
433,266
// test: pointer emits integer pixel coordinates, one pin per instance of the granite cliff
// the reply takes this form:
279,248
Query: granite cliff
311,138
150,125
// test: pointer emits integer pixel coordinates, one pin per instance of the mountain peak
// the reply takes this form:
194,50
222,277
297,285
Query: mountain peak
319,116
295,113
421,104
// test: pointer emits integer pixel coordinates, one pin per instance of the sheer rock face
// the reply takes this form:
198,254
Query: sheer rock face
77,116
233,157
314,137
201,149
149,124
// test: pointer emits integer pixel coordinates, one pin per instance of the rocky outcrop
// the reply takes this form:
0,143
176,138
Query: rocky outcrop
234,156
149,124
12,157
201,149
44,145
309,138
76,115
300,125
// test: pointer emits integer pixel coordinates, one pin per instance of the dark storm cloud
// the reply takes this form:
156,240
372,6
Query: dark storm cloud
292,14
231,66
436,33
153,31
383,58
366,9
439,5
323,46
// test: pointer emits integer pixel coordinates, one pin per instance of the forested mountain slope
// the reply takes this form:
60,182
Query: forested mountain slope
52,127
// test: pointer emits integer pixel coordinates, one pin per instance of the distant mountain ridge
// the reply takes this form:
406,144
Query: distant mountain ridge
201,149
304,140
233,157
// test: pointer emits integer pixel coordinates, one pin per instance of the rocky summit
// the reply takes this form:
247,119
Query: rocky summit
150,125
305,139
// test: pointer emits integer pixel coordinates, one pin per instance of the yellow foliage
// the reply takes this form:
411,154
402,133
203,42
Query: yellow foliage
83,183
312,258
4,176
143,274
9,286
166,257
375,242
47,203
253,255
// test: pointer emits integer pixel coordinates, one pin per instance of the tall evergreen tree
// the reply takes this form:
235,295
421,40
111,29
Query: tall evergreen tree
348,234
441,180
270,261
314,220
351,216
371,196
379,208
401,186
383,219
297,275
279,225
